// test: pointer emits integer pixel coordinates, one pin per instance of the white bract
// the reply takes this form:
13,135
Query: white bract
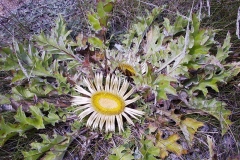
105,103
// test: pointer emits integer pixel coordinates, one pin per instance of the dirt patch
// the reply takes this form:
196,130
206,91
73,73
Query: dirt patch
10,6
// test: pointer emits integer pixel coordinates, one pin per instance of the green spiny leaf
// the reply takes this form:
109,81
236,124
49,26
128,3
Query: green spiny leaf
164,86
149,151
108,7
214,108
120,153
36,120
189,127
8,130
210,81
93,20
52,118
96,42
222,52
154,41
60,29
196,24
170,145
22,91
23,123
140,30
100,10
18,76
53,149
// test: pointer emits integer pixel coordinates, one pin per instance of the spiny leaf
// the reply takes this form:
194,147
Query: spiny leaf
93,20
108,7
222,52
60,29
120,153
139,29
178,54
53,46
23,92
41,89
58,43
178,26
164,86
8,130
214,108
52,118
103,21
148,150
210,81
189,127
99,20
4,99
23,123
18,76
232,71
35,121
19,58
154,41
100,10
96,42
201,40
196,24
53,149
169,145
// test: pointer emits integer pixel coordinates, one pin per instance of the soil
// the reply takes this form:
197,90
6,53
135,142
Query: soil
10,6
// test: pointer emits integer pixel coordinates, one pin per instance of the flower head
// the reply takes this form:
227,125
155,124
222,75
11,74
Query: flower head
128,64
105,103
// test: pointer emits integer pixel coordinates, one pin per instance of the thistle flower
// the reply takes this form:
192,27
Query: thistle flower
105,103
127,69
129,64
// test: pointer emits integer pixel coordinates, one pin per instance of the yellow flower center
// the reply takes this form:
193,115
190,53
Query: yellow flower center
107,103
127,69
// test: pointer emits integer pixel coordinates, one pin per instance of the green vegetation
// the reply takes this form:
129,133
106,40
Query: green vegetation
174,64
